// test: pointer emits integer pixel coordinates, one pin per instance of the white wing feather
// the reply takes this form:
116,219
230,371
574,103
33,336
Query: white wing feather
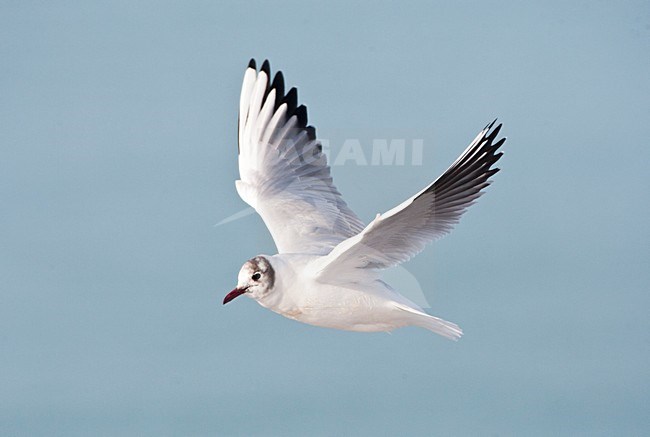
401,233
283,173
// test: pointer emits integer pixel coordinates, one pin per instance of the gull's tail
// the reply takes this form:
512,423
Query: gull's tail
441,327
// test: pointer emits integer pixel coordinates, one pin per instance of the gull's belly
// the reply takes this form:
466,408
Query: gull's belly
343,308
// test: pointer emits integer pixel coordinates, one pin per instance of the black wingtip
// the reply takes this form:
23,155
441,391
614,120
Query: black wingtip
301,113
311,132
266,67
278,85
498,144
495,132
251,64
291,99
489,125
492,172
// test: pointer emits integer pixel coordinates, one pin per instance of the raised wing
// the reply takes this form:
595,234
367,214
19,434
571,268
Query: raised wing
283,172
399,234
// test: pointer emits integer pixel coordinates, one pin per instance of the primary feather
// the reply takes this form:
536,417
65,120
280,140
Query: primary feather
283,172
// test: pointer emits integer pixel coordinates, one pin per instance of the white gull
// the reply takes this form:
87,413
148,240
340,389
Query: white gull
327,270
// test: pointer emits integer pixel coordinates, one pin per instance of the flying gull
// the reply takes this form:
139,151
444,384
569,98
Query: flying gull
328,267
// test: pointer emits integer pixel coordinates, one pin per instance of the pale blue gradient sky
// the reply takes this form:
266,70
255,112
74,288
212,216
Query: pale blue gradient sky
118,155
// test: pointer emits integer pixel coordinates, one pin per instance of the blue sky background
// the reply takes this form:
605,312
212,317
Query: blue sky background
118,155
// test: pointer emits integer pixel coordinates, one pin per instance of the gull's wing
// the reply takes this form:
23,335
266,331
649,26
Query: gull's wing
283,172
399,234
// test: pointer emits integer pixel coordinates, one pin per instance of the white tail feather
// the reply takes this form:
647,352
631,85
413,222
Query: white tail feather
441,327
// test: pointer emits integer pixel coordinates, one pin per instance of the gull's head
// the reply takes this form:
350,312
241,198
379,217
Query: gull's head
255,279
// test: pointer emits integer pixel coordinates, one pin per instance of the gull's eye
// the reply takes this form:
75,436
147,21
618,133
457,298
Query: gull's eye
256,276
